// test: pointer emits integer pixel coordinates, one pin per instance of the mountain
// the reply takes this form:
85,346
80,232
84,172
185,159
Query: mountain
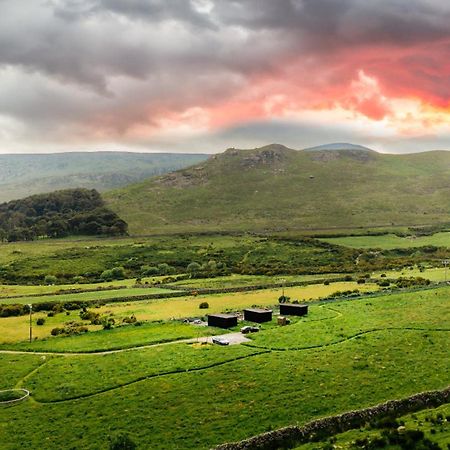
338,146
275,187
26,174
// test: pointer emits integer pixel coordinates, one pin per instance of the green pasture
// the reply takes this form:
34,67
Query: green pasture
15,329
426,421
87,296
237,280
123,337
391,241
342,356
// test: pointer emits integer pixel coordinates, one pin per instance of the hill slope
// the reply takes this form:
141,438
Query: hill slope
275,187
24,175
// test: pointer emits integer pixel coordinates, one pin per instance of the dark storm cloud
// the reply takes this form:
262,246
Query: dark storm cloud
112,64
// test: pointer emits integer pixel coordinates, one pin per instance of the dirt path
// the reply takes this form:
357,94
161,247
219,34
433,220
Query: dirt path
232,338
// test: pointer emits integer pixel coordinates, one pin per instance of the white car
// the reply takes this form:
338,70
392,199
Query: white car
220,341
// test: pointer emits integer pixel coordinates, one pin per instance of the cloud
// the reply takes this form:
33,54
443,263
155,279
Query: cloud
99,71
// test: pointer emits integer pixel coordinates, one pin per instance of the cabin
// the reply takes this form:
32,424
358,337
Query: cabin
258,315
291,309
222,320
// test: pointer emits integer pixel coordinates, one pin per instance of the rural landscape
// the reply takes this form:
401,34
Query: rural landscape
224,225
104,317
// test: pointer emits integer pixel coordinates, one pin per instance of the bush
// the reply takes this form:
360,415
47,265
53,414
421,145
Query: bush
50,279
204,305
40,321
13,310
122,442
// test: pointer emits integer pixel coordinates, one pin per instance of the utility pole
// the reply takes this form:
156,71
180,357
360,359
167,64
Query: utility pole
31,321
446,263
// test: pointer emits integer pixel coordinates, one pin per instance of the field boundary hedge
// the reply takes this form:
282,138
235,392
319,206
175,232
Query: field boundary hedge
66,291
291,436
253,287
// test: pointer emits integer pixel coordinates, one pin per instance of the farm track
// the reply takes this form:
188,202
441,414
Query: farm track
262,351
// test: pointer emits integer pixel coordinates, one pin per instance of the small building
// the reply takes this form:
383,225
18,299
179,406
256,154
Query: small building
222,320
258,315
292,309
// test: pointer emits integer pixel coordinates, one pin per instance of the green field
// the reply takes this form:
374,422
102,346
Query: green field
87,296
391,241
15,329
434,423
342,356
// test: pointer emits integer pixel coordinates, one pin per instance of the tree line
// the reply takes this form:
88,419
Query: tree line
58,214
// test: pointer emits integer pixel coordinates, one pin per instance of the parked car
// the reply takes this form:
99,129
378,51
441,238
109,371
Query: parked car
249,329
220,341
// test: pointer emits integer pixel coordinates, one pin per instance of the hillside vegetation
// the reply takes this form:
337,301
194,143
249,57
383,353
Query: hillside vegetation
58,214
277,188
28,174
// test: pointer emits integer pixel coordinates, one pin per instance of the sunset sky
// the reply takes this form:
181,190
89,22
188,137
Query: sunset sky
204,75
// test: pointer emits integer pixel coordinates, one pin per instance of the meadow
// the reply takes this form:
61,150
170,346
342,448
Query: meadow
434,423
391,241
344,355
15,329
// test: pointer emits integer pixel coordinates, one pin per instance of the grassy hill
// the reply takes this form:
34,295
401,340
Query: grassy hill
276,188
24,175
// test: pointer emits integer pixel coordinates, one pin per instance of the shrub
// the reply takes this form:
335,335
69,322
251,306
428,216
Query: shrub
50,279
131,319
204,305
122,442
56,331
40,321
12,310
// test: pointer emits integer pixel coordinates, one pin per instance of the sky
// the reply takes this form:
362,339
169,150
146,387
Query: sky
205,75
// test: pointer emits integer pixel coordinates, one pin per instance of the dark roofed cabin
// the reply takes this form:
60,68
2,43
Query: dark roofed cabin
258,315
290,309
222,320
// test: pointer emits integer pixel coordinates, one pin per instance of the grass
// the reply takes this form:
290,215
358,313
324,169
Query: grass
237,280
391,241
14,368
95,374
14,329
181,396
118,338
354,318
88,296
434,274
29,263
234,400
426,421
271,188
